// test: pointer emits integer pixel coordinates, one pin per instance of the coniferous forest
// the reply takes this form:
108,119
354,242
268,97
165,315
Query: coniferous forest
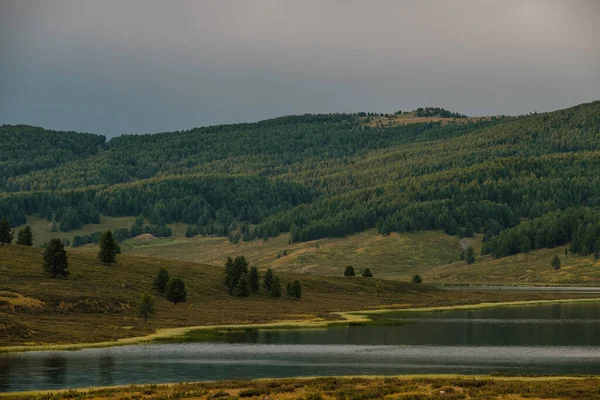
522,182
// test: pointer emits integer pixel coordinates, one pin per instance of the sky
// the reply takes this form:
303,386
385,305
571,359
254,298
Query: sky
143,66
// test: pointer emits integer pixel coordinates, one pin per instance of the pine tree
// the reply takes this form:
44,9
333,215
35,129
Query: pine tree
160,280
288,290
108,248
254,280
56,262
147,306
349,271
175,291
367,273
555,262
234,269
297,289
242,288
275,291
6,233
25,237
470,255
417,279
268,280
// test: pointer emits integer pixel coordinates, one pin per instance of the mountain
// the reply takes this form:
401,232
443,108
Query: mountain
319,176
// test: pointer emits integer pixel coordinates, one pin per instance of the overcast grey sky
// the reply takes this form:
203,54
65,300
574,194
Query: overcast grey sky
137,66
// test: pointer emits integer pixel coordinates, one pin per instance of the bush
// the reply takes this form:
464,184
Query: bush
349,271
417,279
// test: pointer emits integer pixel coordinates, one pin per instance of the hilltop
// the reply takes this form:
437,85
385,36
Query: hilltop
320,177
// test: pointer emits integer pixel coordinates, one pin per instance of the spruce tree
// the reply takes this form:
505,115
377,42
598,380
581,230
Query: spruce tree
25,237
555,262
268,280
288,290
175,291
108,248
275,291
234,269
242,288
6,233
349,271
367,273
56,262
297,289
417,279
254,280
160,280
470,256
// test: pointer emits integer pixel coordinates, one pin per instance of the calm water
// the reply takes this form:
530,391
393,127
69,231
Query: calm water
548,339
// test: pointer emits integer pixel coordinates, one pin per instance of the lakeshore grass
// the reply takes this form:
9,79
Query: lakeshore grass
96,305
417,387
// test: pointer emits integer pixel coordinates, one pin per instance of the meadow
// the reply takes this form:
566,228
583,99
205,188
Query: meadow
401,388
97,303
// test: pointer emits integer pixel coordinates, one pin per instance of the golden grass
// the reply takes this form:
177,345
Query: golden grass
42,232
396,256
533,267
97,304
422,387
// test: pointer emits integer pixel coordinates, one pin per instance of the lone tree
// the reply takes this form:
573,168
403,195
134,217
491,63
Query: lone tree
234,269
367,273
417,279
470,255
56,262
160,280
175,291
349,271
108,248
268,280
6,233
555,262
25,237
147,306
254,280
297,289
275,291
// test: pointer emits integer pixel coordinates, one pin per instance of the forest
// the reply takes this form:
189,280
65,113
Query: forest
523,182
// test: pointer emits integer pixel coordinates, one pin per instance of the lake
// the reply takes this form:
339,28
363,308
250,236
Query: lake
562,338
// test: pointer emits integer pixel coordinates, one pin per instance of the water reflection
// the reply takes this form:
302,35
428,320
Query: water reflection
55,369
543,339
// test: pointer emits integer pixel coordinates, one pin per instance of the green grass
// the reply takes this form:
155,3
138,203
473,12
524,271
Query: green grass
42,232
533,267
329,388
397,256
98,303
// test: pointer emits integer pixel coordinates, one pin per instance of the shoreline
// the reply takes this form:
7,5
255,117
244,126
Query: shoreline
348,317
302,381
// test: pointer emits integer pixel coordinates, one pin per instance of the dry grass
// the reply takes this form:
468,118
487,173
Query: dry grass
42,232
533,267
329,388
410,118
98,303
397,256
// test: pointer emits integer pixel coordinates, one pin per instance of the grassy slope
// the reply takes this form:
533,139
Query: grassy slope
533,267
432,254
98,303
424,388
397,256
42,232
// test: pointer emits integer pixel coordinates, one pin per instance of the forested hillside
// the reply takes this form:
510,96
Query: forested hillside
319,176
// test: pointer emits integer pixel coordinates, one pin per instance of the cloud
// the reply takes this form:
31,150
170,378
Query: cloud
116,67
